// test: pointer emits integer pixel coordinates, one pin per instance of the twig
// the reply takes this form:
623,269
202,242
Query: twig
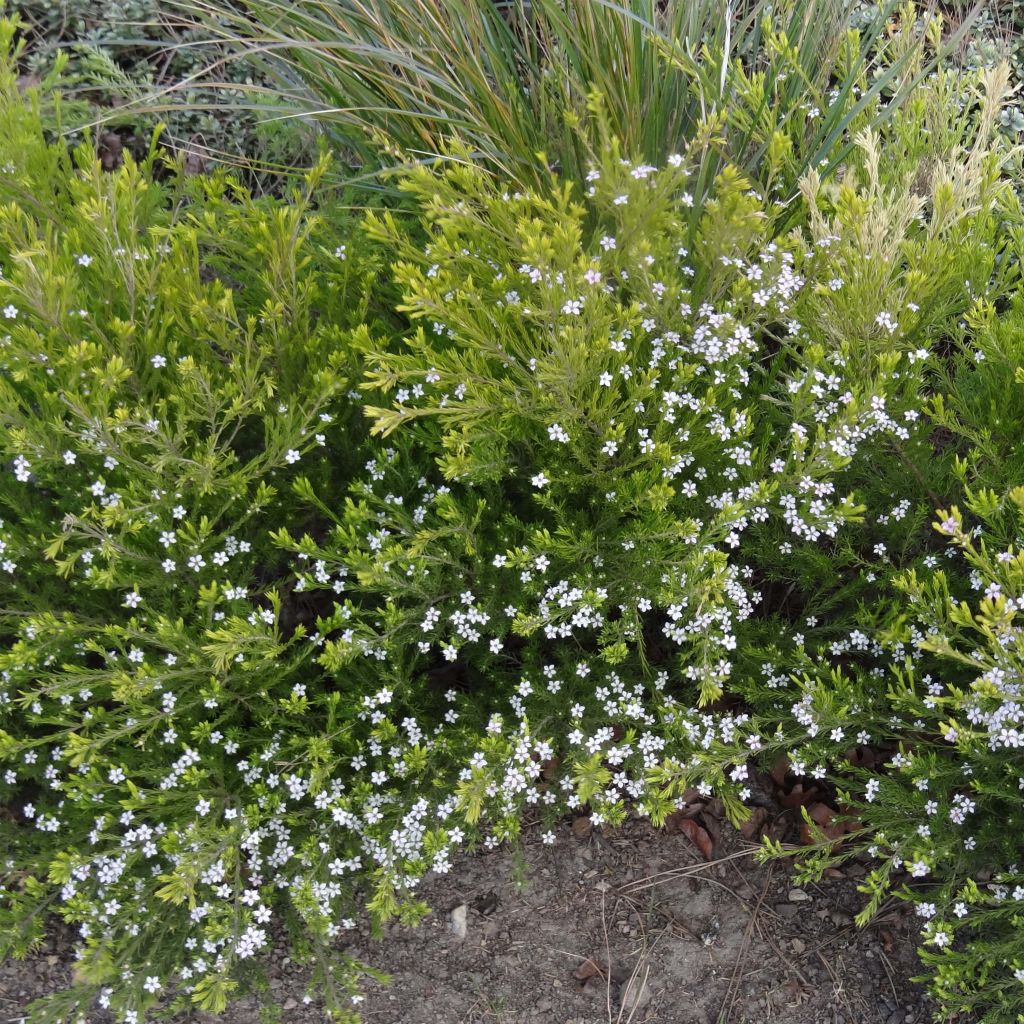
694,869
888,974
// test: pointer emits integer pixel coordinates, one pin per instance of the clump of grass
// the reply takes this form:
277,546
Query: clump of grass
778,88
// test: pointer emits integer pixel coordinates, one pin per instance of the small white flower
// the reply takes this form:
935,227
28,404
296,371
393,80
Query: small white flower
159,361
291,456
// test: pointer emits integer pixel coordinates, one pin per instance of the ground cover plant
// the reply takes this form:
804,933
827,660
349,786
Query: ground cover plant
333,546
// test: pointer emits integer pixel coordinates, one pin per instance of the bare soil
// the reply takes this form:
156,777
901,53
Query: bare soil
623,925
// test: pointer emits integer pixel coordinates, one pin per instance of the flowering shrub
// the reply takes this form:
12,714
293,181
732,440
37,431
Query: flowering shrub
174,358
271,654
628,415
885,681
936,785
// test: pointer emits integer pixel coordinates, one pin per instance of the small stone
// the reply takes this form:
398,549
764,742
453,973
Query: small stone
896,1017
289,1004
457,921
799,896
786,910
798,945
543,1005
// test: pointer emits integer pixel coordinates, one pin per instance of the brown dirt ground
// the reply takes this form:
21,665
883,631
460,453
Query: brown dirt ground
669,937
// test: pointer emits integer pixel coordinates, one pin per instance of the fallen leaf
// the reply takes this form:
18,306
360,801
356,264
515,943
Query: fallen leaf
888,941
798,796
753,825
549,767
582,827
821,814
587,970
779,772
698,836
826,819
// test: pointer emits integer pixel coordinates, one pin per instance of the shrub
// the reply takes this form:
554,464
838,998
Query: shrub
174,355
265,669
612,505
937,793
887,688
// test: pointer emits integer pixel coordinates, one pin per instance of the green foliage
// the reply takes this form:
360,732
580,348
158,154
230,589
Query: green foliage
774,88
327,550
176,356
